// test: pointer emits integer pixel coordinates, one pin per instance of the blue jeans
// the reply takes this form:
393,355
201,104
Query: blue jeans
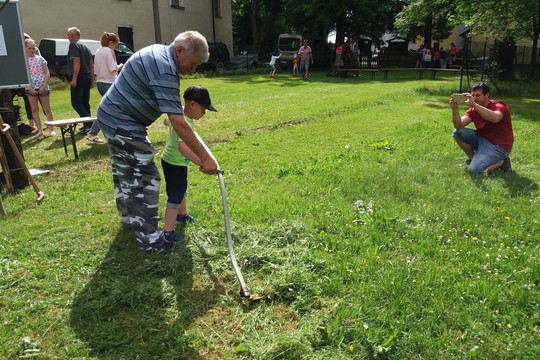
80,96
102,88
485,153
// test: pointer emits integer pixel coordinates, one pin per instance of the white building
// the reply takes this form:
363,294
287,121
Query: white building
137,22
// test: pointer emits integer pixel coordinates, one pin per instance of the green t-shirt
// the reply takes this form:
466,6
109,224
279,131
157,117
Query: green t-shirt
171,153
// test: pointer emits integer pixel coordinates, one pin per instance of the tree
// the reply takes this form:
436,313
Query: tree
428,18
348,18
254,21
500,19
503,19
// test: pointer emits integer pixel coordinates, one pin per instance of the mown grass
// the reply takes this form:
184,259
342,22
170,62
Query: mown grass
354,222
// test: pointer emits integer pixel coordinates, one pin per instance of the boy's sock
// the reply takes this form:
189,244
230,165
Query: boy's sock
185,218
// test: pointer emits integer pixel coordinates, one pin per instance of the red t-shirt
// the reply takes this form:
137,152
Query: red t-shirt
499,133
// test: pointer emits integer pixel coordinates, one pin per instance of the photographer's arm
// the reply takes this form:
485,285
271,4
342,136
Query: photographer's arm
486,114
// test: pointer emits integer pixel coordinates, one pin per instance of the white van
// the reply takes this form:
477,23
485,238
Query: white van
288,45
55,52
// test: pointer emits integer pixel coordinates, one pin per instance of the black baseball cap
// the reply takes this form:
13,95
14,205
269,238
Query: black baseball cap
199,94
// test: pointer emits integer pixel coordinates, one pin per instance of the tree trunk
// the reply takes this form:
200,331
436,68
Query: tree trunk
255,10
536,35
428,32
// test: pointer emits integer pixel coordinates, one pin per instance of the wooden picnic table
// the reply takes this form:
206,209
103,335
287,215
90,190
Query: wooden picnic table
69,126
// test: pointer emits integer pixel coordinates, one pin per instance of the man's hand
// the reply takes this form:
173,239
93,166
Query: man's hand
453,103
470,99
73,82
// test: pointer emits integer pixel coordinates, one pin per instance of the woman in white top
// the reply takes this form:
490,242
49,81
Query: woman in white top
106,70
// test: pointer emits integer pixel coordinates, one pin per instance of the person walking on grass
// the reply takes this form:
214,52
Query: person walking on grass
39,87
306,55
106,69
81,75
489,146
176,157
146,88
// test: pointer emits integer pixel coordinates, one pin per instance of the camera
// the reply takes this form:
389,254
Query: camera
459,97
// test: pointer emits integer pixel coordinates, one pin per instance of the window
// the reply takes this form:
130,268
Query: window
217,8
177,4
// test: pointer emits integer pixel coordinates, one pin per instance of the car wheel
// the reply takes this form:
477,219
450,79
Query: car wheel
220,67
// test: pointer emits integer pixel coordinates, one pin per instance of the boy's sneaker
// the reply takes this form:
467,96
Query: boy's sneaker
172,237
185,219
507,165
84,130
94,139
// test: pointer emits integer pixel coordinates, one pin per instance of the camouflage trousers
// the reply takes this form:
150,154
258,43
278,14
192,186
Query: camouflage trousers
136,187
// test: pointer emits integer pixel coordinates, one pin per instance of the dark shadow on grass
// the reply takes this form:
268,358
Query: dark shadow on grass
516,184
139,306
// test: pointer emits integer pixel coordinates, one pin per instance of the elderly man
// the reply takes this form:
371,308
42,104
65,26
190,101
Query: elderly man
81,75
489,146
146,88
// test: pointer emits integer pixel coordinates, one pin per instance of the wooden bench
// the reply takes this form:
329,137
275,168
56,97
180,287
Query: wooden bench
69,125
345,72
436,70
420,71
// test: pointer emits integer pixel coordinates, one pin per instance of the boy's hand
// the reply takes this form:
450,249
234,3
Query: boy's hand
209,166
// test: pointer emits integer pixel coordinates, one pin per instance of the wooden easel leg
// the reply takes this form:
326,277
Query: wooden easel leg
5,167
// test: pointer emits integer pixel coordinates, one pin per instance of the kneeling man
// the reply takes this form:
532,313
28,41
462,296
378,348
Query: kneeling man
489,146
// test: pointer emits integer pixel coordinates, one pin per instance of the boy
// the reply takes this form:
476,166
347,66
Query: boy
296,63
176,157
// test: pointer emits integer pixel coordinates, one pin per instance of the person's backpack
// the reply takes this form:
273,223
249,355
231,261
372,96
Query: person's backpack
24,129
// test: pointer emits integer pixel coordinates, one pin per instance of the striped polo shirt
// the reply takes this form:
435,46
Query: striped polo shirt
147,87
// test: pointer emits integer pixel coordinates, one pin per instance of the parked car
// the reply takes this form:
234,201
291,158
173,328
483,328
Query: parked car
244,60
220,59
123,52
55,52
219,56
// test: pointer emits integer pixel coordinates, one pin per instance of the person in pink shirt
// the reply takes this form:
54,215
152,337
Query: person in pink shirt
306,55
106,70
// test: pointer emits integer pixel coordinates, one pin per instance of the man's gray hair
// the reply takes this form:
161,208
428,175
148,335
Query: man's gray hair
193,42
74,30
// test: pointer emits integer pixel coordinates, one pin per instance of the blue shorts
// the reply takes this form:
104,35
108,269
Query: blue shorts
485,153
304,65
175,183
46,93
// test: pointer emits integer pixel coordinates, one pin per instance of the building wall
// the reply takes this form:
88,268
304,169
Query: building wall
52,18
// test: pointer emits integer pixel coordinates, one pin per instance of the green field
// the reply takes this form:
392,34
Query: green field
354,221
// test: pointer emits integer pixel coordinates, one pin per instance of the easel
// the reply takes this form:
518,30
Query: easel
13,57
5,129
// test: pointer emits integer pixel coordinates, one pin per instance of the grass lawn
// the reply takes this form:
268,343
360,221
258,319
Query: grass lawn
354,222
